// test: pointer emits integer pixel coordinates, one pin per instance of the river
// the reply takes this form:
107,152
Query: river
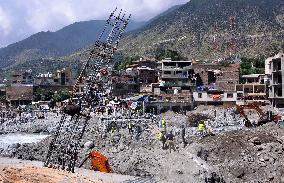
13,138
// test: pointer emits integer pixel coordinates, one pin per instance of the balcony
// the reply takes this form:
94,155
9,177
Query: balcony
276,84
175,76
178,84
177,68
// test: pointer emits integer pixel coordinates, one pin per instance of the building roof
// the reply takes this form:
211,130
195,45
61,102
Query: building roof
252,76
170,60
19,92
144,68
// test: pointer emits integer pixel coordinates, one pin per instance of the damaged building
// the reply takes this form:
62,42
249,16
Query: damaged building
274,70
175,89
215,84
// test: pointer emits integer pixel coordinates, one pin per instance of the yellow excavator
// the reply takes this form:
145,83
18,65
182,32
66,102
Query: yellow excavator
263,118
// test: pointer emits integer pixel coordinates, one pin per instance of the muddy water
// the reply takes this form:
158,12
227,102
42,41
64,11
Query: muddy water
7,140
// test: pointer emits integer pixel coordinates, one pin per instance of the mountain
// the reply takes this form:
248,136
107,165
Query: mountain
199,29
53,44
208,29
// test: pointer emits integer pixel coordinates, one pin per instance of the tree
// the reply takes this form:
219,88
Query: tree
258,64
61,96
167,53
126,62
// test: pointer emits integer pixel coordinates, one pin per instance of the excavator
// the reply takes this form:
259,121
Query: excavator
263,118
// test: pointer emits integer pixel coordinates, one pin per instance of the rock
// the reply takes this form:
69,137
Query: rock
180,172
271,160
261,159
260,148
238,172
16,145
266,158
89,144
262,164
255,141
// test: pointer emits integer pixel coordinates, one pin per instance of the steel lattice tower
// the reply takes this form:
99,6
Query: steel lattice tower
65,143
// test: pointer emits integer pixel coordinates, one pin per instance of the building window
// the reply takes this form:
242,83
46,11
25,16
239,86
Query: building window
239,95
230,95
199,95
279,92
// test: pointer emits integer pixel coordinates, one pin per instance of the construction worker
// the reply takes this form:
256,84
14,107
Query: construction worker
183,135
107,110
162,138
130,128
112,129
163,124
201,128
170,138
138,131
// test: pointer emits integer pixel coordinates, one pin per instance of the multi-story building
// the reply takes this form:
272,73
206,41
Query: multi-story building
59,78
147,75
215,84
223,77
252,89
175,89
176,74
274,70
22,77
124,83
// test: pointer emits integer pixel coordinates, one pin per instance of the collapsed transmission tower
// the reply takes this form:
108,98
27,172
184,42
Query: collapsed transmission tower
65,143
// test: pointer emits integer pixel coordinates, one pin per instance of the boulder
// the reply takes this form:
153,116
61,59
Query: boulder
89,144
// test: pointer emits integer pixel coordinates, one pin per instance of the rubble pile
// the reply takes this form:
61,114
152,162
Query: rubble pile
29,124
194,119
233,155
251,154
221,117
128,154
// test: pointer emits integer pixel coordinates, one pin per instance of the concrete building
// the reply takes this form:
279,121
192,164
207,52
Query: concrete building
274,70
215,84
215,97
19,94
176,73
175,89
147,75
124,83
223,78
21,77
59,78
252,89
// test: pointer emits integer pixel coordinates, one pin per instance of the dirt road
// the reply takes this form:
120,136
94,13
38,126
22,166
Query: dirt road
20,171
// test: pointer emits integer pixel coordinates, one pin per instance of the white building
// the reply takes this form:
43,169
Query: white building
215,97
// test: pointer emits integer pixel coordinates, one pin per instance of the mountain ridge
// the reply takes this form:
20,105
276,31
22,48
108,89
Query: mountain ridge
54,44
191,28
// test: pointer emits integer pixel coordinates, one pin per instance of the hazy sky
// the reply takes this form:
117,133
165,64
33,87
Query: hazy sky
22,18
